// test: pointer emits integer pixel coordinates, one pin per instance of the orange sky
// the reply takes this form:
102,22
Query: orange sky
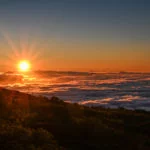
79,56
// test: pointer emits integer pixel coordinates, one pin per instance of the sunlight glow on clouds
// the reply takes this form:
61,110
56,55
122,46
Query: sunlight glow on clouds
131,90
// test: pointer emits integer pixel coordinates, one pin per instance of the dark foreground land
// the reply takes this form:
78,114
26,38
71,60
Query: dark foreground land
37,123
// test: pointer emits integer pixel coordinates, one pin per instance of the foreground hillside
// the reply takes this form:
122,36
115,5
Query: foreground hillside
37,123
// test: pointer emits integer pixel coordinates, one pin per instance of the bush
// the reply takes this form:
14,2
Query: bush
13,137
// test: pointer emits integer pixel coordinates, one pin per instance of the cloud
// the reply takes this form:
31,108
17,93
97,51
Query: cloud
129,90
10,78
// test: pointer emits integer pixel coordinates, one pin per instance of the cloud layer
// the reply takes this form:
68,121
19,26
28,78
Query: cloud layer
129,90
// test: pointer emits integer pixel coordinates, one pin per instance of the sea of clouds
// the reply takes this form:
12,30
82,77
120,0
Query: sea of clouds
128,90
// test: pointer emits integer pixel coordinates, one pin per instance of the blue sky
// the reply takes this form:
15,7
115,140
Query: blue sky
83,17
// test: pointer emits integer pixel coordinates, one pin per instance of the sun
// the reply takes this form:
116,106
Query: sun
24,66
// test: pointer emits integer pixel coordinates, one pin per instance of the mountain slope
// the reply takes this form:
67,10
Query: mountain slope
60,125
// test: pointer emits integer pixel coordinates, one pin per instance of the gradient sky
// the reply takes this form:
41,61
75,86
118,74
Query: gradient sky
81,35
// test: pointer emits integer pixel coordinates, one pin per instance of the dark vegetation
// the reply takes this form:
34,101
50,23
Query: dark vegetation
37,123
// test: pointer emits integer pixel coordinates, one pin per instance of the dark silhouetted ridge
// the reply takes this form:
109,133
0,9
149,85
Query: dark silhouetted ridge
37,123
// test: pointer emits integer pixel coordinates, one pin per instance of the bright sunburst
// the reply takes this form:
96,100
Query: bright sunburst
24,66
